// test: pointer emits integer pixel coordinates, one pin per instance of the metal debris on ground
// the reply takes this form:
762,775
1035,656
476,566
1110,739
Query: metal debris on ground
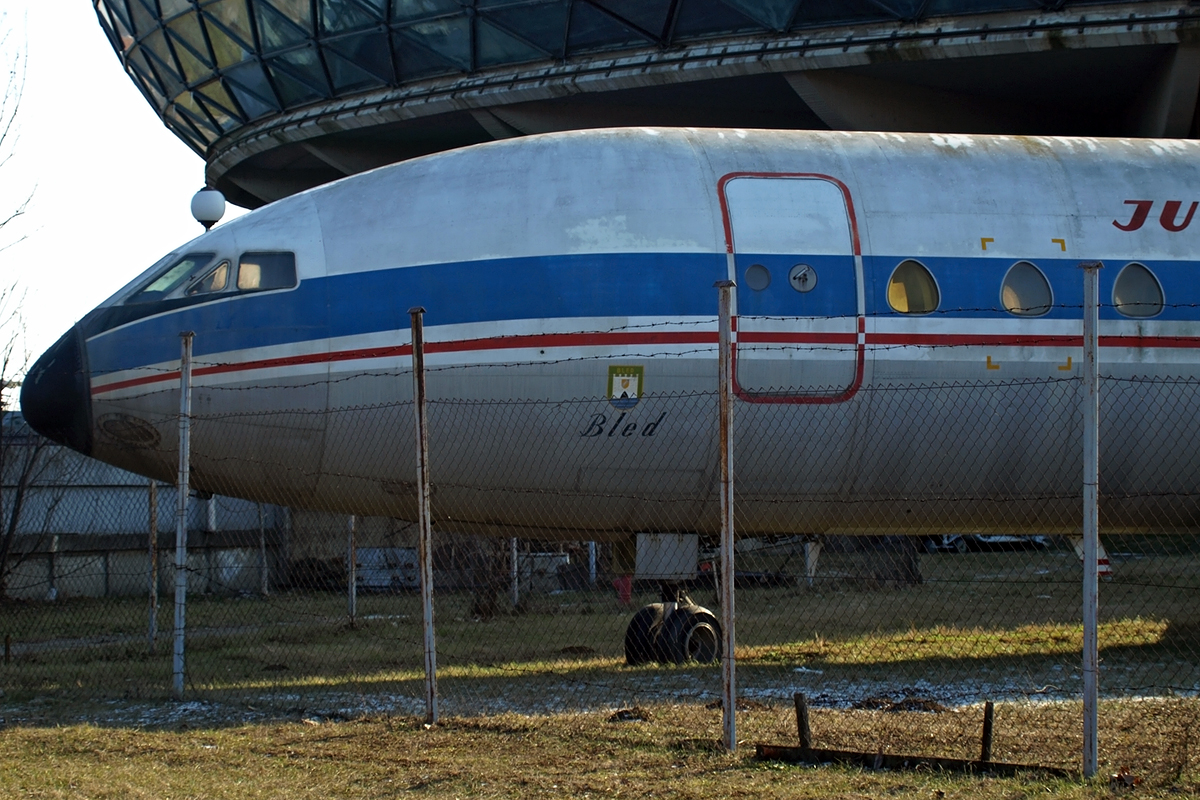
635,714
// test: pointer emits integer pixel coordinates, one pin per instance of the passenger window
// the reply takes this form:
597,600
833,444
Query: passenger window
1025,291
172,277
912,289
261,271
215,281
1137,292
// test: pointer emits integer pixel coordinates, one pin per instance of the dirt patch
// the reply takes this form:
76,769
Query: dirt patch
873,703
742,704
578,650
635,714
886,704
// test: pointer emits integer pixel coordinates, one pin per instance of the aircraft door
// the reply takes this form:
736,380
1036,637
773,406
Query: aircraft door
794,254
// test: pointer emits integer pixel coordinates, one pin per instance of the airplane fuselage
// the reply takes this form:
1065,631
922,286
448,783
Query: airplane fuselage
908,332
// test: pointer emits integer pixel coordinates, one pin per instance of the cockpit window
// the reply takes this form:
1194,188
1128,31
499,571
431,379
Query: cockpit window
172,277
193,277
261,271
215,281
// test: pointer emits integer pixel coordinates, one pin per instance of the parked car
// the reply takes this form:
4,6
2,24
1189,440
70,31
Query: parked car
964,542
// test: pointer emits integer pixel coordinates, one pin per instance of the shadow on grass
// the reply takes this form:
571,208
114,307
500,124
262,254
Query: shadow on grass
981,623
291,679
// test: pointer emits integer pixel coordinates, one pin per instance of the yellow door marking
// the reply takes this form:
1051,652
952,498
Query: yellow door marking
985,241
1061,243
1065,367
990,365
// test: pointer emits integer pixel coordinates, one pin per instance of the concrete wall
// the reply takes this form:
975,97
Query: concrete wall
46,576
84,532
325,536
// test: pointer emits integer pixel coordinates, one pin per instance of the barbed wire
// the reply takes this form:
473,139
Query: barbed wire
835,506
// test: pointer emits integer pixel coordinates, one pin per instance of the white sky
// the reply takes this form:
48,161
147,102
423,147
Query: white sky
111,185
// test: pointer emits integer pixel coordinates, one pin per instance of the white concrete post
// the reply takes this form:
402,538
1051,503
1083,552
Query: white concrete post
352,570
514,575
152,633
264,583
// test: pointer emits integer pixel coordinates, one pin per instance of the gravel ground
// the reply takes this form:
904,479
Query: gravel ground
539,698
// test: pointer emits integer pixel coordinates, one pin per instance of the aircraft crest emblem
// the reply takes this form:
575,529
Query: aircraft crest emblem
625,385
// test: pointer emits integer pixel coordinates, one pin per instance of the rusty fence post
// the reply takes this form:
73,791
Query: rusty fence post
424,524
803,727
989,726
1091,518
182,483
725,395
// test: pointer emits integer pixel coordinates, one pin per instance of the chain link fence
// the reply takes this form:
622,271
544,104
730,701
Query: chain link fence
904,555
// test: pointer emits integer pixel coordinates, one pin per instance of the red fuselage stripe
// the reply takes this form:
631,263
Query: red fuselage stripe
622,339
539,341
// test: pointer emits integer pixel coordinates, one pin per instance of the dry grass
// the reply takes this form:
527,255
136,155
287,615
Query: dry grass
670,754
978,622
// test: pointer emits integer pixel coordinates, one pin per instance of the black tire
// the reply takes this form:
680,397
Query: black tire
961,544
689,633
931,546
640,635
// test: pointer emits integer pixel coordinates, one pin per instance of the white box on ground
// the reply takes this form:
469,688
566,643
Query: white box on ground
538,572
667,556
387,569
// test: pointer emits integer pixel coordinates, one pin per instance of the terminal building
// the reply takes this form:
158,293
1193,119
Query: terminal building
279,96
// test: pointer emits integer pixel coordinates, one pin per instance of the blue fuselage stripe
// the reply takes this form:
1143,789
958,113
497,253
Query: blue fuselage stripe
662,285
623,285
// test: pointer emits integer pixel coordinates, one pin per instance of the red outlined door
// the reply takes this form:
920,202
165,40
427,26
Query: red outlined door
794,252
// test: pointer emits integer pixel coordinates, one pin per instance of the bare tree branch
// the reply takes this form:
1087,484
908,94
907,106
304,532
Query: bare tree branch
15,61
29,464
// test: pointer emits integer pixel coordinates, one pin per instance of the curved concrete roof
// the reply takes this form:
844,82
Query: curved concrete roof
282,95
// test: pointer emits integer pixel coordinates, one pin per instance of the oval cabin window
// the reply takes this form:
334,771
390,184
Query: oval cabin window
912,289
1025,291
1137,292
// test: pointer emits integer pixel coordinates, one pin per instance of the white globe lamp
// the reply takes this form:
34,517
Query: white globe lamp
208,206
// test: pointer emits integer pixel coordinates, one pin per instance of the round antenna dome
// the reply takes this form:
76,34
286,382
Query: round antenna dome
208,206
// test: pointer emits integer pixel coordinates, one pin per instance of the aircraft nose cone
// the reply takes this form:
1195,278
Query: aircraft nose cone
56,395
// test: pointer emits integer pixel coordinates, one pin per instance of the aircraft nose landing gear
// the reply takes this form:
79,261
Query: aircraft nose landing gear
675,631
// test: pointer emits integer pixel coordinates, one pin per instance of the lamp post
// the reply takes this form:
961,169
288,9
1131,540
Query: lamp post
208,206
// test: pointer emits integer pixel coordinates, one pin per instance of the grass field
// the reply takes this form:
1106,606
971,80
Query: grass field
665,751
1000,626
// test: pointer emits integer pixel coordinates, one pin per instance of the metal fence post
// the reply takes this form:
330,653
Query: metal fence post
425,540
182,482
1091,536
725,394
352,571
152,632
